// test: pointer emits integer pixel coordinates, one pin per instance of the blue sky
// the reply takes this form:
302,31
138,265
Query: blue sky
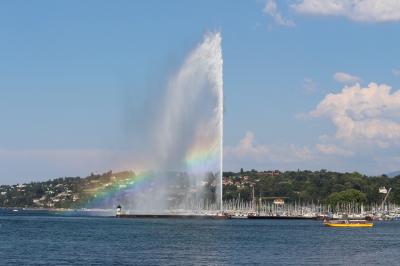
77,79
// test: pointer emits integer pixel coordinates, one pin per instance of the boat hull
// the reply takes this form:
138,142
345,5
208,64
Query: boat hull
349,225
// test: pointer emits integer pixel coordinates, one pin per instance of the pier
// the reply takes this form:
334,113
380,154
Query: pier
174,216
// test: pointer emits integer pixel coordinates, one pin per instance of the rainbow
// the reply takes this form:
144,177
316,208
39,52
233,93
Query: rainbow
117,190
203,157
107,194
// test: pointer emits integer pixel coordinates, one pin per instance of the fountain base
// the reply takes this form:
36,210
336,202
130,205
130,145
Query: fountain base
175,216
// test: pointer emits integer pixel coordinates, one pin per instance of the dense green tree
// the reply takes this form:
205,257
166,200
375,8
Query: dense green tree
346,196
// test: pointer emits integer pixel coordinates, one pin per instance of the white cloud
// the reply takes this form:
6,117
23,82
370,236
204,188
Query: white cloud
362,115
396,72
248,149
357,10
346,78
271,9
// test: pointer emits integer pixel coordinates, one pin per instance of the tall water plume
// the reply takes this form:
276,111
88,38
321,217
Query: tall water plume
186,163
190,132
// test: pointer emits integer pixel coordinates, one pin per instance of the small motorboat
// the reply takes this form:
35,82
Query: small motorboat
348,223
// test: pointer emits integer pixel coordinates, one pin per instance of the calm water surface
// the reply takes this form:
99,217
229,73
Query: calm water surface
43,238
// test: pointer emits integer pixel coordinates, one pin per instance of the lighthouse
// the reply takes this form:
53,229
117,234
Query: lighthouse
119,208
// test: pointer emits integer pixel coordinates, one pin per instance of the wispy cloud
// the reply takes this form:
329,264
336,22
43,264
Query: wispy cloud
309,85
37,164
247,148
388,163
271,9
331,149
346,78
396,72
356,10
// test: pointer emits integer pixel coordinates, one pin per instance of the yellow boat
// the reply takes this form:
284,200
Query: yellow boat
348,223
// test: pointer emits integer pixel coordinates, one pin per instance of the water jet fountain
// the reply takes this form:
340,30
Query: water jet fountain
187,161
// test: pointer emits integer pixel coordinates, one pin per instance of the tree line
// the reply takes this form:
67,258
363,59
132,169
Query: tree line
311,186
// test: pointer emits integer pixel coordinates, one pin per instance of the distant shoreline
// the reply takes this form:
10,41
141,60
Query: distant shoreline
54,209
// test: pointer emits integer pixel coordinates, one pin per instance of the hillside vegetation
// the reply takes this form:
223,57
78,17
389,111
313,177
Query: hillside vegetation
308,186
295,186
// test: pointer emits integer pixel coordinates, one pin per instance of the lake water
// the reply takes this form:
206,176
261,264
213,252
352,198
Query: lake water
31,238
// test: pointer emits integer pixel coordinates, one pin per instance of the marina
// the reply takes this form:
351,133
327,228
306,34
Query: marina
283,211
